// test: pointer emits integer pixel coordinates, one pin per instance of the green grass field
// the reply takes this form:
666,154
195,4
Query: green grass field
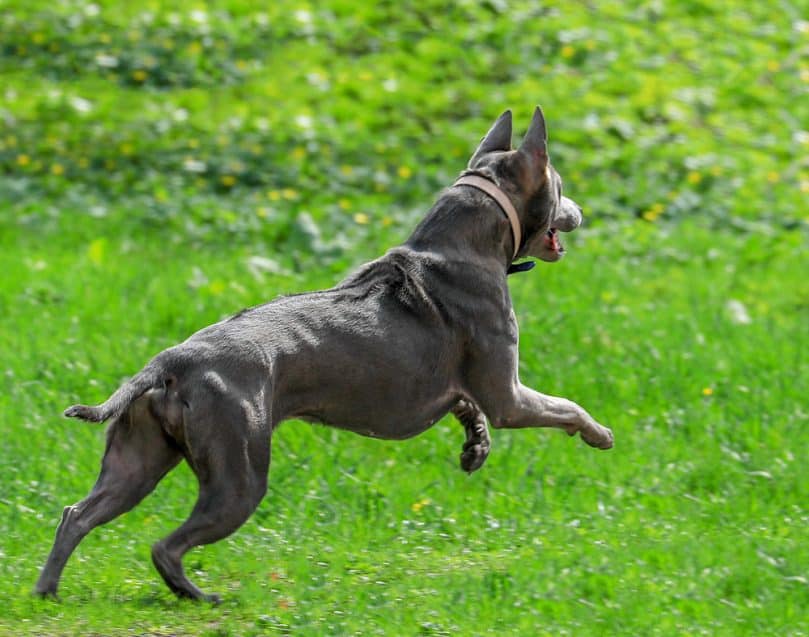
161,168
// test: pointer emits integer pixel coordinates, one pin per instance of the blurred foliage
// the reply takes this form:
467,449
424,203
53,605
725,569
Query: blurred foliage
214,119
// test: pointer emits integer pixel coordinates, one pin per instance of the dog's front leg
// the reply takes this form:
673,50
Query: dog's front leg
477,445
529,408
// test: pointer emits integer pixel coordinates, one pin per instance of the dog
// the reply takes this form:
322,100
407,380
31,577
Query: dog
424,330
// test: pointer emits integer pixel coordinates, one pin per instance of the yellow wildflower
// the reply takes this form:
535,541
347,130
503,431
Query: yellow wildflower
361,218
405,172
420,504
693,178
139,75
57,169
653,212
568,51
216,287
23,160
96,249
707,391
228,180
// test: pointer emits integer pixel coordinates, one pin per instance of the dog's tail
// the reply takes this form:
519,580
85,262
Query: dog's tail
149,377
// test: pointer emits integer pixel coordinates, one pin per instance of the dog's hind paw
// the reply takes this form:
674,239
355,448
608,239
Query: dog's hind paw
212,598
48,593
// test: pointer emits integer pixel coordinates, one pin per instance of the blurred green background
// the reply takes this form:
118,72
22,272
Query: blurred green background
164,164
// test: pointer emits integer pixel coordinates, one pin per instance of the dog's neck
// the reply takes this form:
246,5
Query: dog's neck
468,219
502,199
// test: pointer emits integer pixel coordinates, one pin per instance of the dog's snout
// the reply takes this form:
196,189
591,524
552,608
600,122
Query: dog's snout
568,215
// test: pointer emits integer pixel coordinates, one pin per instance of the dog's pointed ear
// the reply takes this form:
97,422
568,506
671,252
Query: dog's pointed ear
498,138
535,144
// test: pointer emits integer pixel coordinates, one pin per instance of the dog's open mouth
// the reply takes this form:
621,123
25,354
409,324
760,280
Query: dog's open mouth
552,242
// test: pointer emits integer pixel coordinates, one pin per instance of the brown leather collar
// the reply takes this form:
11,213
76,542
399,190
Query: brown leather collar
491,189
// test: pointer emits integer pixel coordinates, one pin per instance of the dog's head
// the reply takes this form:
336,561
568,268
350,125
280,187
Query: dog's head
533,185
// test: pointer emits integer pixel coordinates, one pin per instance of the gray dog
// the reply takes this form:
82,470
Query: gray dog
424,330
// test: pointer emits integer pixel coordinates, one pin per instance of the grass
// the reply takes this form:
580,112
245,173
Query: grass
678,318
694,522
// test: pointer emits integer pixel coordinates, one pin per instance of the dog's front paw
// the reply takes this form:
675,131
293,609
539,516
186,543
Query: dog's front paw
598,436
474,454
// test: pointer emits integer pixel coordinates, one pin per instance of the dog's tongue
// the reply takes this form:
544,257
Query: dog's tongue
553,240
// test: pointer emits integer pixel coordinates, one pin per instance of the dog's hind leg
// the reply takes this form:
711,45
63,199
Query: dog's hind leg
138,454
231,464
478,443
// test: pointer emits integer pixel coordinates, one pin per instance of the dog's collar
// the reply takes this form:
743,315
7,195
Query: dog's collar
491,189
